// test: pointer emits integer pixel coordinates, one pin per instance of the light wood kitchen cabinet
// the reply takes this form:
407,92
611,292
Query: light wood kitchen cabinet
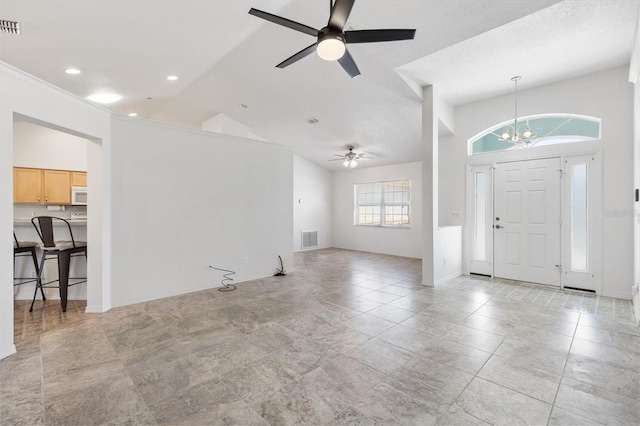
27,185
78,178
57,186
40,186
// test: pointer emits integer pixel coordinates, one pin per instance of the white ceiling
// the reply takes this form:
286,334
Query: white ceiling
226,57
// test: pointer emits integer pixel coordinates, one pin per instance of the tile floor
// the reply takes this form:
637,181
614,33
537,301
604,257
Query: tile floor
349,338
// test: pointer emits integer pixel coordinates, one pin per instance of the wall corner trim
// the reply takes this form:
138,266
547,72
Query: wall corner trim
7,351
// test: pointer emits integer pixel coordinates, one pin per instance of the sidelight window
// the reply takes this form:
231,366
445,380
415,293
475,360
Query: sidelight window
579,217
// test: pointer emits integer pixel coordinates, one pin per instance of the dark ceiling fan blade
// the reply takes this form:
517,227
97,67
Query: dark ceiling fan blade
340,13
349,64
295,58
284,22
374,36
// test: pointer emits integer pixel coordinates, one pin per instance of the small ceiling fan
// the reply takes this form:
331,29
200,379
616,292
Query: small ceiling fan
332,39
350,159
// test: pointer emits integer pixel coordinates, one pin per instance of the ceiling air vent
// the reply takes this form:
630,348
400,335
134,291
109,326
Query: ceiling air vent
312,120
11,27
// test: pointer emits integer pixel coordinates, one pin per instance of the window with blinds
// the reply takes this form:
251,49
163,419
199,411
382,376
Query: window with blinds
383,203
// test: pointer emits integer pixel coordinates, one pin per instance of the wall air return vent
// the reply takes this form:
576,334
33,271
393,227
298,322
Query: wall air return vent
309,239
11,27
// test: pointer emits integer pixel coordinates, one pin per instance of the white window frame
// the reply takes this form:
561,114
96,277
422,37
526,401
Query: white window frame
475,265
382,204
589,279
543,141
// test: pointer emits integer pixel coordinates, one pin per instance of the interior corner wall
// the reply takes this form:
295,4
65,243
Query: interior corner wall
312,202
394,241
634,77
606,95
636,210
186,199
30,97
222,123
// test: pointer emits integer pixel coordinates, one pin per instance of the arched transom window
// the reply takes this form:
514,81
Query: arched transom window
549,129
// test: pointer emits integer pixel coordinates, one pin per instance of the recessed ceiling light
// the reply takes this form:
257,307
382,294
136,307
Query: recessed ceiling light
244,105
72,71
172,77
133,114
104,97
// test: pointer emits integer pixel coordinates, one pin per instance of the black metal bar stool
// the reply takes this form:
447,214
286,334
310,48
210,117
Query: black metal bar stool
63,251
24,249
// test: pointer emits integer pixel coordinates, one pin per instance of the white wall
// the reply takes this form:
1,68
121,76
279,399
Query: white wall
40,147
28,96
184,199
222,123
394,241
634,77
606,95
312,202
448,256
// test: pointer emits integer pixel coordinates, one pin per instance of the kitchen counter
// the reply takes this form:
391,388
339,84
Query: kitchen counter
19,221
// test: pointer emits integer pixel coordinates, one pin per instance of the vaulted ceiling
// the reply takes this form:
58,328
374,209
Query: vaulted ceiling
225,60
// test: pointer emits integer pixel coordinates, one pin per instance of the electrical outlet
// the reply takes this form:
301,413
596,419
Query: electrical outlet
245,260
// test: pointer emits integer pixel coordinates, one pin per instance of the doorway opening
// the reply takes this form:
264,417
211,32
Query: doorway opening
75,160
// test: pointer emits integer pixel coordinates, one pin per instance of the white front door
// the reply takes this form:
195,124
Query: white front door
527,221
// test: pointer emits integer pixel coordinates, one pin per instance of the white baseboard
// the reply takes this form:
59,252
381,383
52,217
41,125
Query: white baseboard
448,277
96,309
7,350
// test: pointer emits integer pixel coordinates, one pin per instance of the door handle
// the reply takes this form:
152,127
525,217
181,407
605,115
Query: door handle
499,227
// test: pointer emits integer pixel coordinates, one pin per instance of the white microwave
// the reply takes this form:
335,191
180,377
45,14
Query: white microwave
78,195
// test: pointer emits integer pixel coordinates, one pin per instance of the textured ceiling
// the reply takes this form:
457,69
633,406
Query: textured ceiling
226,57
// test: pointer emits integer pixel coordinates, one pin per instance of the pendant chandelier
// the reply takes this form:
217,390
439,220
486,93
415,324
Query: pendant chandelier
512,134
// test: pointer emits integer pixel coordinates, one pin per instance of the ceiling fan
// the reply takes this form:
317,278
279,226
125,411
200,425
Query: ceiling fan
350,159
332,39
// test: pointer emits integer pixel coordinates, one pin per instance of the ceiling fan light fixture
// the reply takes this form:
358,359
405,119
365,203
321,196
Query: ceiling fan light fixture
331,47
346,163
353,163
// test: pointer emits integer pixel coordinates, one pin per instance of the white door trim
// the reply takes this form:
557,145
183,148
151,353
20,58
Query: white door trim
590,279
595,224
474,265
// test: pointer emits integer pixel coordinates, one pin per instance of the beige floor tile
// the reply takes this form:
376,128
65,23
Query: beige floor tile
500,406
597,404
322,345
381,355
